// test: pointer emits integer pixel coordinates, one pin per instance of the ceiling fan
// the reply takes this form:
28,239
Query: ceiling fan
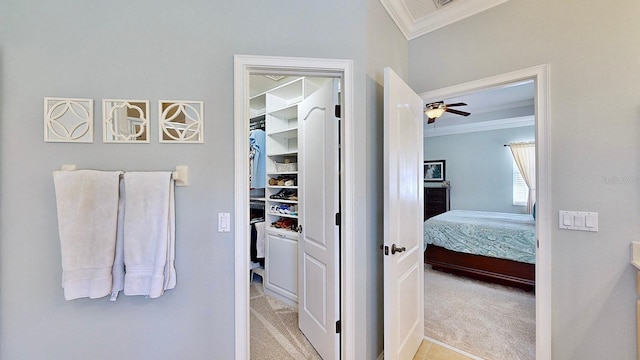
436,109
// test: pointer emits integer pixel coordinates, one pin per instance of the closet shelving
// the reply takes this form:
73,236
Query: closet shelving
279,107
257,105
282,127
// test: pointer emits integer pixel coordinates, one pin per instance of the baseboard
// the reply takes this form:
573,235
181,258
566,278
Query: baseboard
462,352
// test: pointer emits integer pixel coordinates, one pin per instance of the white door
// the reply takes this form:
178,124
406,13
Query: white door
403,214
318,248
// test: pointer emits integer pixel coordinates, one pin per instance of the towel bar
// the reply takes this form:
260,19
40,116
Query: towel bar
181,175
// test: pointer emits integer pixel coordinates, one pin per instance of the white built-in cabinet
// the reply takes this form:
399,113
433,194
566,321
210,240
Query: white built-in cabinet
282,215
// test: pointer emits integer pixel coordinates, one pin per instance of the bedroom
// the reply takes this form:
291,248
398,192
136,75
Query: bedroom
481,175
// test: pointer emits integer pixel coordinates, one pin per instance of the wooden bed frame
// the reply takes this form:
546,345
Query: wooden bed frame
499,271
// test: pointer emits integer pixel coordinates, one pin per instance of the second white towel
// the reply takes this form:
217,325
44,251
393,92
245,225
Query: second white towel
149,233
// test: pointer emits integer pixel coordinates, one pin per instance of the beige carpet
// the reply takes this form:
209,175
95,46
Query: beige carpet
490,321
274,329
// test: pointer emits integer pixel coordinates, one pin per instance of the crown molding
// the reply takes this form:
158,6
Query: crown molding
431,131
412,28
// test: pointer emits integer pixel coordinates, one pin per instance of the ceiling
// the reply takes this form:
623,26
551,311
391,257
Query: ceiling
418,17
506,106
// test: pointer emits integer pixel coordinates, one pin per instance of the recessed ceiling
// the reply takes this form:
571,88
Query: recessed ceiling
418,17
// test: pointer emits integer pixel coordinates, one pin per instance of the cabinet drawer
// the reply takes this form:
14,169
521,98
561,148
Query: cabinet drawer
434,205
435,191
436,201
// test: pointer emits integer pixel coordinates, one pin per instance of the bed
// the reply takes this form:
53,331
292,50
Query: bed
490,246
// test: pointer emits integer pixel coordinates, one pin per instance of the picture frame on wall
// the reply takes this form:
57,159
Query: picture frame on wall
434,170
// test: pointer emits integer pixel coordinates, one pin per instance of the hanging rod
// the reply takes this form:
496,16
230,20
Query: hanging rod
181,175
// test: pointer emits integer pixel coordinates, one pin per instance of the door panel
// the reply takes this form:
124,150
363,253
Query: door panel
318,300
282,256
403,201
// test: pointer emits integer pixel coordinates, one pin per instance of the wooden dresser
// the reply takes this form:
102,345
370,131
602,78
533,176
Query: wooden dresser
436,201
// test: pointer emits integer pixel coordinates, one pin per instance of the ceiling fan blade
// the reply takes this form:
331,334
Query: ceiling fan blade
431,121
458,112
457,104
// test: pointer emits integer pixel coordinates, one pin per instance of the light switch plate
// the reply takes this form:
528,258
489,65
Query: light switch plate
224,222
578,220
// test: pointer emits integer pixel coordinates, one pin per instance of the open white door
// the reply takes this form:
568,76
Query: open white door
403,202
318,247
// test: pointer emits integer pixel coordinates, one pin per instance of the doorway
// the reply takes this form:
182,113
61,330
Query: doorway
540,76
245,66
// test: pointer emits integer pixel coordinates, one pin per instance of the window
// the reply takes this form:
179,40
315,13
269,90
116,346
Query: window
520,189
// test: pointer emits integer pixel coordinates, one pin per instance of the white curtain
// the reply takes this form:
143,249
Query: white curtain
524,154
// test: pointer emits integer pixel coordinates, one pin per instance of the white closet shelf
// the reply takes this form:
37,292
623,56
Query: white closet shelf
281,231
283,215
289,111
291,133
284,153
273,173
283,201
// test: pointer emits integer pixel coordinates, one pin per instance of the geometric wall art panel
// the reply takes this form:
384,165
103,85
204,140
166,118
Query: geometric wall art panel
68,120
125,121
181,121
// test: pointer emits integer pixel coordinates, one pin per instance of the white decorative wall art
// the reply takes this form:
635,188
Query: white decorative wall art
125,121
181,121
68,120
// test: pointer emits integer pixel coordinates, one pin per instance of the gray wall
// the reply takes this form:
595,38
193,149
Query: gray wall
386,46
161,50
479,167
587,45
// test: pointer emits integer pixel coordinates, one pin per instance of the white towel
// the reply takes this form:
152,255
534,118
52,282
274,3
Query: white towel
260,234
87,204
149,233
118,263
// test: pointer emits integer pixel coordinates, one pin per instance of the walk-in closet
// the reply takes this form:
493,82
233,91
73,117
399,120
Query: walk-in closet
293,150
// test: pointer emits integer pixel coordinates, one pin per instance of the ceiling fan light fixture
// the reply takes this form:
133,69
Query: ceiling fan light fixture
433,112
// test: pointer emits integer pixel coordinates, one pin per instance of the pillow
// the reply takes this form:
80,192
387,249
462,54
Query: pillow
534,211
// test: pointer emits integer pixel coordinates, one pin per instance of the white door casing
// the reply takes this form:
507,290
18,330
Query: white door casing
318,247
244,66
544,219
403,271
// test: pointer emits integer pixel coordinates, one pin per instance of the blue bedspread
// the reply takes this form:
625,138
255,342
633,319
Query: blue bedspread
501,235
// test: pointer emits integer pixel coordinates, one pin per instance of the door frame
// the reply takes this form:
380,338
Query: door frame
245,65
540,75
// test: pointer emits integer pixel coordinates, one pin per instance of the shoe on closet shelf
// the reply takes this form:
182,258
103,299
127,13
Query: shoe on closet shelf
278,195
284,194
284,223
283,209
289,182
